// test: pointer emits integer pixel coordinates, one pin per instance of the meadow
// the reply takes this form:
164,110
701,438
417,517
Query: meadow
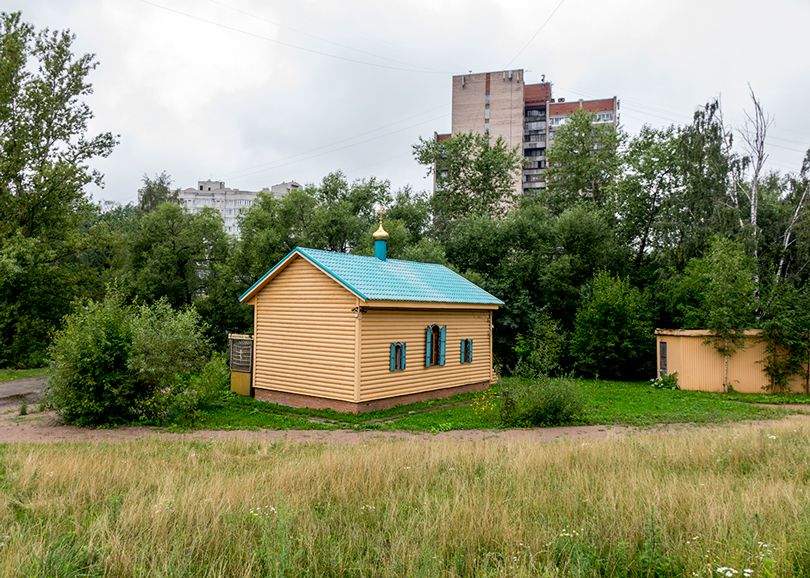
696,501
606,403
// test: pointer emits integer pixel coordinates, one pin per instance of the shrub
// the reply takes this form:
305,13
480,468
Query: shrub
613,335
669,381
114,363
547,402
90,383
183,406
540,351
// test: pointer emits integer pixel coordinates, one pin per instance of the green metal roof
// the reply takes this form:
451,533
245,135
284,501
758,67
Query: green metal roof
372,279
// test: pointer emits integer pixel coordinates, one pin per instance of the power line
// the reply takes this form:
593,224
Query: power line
315,36
682,118
543,25
308,157
287,44
329,145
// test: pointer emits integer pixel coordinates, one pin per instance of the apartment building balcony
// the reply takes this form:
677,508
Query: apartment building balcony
534,186
534,171
534,125
533,145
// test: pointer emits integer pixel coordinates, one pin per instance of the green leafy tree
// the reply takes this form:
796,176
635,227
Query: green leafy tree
156,191
716,293
583,162
173,252
648,180
613,331
786,333
412,209
46,152
44,139
473,175
702,207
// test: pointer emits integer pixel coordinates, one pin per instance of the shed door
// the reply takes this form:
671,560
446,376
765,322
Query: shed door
662,358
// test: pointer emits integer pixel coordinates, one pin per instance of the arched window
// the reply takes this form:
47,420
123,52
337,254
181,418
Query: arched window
435,344
466,350
397,357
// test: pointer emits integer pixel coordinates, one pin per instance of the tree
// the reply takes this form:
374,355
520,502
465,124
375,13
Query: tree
716,293
613,331
44,137
701,209
156,191
345,211
173,252
46,258
473,175
753,135
797,199
583,162
786,333
648,181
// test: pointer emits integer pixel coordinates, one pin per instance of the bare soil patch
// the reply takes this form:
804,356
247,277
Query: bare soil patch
45,427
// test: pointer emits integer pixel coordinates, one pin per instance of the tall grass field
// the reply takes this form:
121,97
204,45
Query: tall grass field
719,501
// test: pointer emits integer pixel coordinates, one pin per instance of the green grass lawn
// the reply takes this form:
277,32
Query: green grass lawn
607,402
12,374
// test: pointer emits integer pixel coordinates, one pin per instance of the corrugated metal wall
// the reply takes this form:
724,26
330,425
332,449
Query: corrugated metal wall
700,366
382,327
305,334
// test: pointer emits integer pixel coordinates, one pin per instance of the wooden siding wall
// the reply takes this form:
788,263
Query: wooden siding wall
700,366
305,334
382,327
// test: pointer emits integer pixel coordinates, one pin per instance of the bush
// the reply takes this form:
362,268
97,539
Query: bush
114,363
90,383
547,402
613,335
669,381
183,406
540,352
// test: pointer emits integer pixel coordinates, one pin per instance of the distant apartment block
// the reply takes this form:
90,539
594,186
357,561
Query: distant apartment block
501,104
229,202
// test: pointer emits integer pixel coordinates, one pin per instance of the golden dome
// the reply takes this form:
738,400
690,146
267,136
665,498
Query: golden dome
380,233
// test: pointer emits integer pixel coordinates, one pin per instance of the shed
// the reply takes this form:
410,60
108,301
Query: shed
689,352
354,333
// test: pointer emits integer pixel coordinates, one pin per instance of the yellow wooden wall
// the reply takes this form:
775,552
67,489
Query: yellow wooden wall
305,334
700,366
379,328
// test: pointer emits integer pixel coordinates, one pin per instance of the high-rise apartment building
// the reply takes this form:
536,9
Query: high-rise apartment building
501,104
229,202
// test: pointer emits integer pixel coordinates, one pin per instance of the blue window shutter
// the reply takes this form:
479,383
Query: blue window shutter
462,350
442,343
470,344
427,346
404,356
392,358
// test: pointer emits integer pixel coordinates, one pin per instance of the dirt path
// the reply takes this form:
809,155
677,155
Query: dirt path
45,427
21,390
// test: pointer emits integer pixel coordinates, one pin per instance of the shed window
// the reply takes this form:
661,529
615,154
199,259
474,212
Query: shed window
435,339
662,354
466,350
396,361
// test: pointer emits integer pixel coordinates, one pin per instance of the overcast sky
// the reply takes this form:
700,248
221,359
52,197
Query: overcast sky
254,93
